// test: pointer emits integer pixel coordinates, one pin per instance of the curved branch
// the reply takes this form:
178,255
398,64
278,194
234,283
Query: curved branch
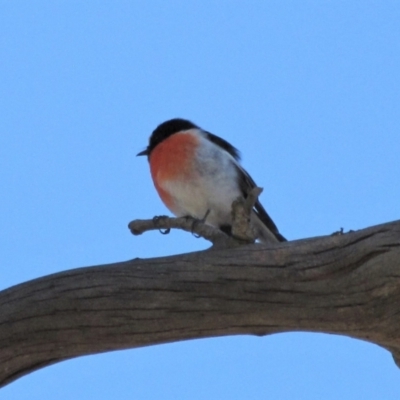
347,284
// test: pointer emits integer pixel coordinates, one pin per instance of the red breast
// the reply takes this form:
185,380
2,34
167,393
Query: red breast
172,160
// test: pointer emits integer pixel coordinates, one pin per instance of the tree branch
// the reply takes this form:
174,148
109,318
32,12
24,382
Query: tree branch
242,232
188,224
346,284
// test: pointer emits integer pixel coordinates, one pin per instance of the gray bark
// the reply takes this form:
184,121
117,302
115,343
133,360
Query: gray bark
347,284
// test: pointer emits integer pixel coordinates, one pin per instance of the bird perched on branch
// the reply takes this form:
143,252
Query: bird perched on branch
198,174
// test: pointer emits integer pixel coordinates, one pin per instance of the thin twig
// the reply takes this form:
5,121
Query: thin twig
242,232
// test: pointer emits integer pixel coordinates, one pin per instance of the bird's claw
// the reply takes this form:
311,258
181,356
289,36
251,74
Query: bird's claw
198,221
158,218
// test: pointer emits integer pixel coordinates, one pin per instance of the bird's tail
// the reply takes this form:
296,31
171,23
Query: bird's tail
264,235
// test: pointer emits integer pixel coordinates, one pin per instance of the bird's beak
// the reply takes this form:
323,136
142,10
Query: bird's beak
143,153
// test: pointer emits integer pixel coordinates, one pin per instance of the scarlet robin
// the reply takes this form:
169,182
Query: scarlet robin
198,174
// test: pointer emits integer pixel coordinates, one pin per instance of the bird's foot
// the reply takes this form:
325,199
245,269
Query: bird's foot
158,218
197,221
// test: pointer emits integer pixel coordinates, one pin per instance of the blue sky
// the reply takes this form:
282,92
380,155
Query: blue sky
308,91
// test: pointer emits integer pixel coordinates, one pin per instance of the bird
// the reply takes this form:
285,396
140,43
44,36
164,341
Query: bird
198,174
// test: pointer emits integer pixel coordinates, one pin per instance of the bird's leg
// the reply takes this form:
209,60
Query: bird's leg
197,221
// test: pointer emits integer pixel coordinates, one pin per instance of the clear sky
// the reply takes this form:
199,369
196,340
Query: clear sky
308,91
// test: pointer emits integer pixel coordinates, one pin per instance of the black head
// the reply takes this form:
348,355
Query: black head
165,130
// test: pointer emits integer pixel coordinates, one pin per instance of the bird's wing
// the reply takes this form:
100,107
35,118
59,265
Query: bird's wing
246,183
233,151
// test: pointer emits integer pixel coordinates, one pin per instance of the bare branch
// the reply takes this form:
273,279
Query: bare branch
347,284
241,228
241,211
